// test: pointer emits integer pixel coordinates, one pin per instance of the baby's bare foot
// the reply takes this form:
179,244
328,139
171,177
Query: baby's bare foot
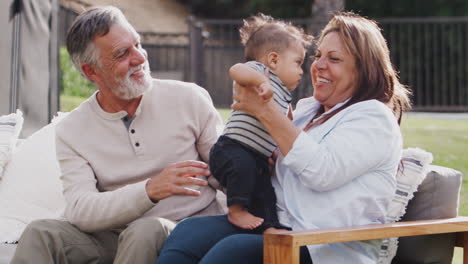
240,217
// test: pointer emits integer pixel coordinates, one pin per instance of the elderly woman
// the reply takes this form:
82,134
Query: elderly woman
337,159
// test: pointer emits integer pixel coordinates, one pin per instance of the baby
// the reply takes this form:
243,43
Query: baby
274,51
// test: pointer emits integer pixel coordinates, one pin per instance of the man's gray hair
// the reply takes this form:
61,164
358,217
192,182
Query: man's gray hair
88,25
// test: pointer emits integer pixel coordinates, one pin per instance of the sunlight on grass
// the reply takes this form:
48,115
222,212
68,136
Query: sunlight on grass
224,112
447,140
457,256
68,102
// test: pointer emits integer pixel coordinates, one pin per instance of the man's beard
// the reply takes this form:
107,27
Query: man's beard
128,88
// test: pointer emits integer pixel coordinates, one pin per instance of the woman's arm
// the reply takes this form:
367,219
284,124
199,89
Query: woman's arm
364,138
267,112
248,77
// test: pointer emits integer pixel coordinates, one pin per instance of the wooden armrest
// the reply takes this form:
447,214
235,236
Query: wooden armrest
284,247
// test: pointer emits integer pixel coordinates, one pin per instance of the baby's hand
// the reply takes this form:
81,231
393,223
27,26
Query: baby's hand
265,91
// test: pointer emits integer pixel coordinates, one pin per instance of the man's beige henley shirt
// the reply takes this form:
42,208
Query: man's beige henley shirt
105,166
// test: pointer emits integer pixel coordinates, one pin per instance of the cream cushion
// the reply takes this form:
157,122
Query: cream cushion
31,188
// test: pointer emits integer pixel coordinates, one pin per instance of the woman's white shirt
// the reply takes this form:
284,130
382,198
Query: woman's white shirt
340,173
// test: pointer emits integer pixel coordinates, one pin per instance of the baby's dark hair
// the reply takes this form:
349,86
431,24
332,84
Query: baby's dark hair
261,34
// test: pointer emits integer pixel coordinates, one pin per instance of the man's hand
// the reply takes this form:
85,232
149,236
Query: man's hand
171,180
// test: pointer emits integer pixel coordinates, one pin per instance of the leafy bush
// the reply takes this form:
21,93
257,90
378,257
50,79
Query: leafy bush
73,83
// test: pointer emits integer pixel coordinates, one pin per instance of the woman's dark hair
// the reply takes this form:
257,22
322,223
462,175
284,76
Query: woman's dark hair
376,76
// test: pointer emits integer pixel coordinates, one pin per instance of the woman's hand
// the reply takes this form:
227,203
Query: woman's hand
249,100
280,128
272,161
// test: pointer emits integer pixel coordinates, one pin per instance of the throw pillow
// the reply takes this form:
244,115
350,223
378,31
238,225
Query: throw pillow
10,127
437,197
31,188
411,172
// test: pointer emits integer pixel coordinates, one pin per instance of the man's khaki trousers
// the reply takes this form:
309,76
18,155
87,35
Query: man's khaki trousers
54,241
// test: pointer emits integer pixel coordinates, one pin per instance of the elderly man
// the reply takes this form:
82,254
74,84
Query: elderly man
132,155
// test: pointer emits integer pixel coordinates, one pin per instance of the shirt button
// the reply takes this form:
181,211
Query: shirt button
132,131
137,144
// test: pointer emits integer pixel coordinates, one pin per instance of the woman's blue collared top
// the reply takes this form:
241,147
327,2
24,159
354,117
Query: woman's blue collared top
340,173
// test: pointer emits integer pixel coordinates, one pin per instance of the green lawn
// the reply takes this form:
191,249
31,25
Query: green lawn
68,103
224,113
446,139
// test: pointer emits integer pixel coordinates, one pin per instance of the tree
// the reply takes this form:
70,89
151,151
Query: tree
244,8
405,8
305,8
322,11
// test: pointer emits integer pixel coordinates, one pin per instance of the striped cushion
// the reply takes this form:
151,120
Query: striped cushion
10,127
411,172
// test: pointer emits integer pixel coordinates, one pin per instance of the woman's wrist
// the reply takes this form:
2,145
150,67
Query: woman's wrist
267,112
279,126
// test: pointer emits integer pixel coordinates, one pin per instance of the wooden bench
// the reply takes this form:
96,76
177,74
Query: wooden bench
283,248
